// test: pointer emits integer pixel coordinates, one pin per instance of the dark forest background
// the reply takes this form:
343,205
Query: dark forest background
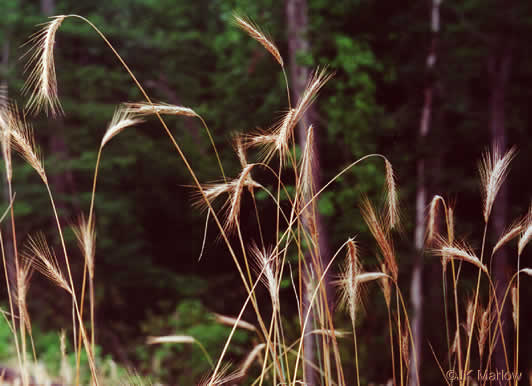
148,277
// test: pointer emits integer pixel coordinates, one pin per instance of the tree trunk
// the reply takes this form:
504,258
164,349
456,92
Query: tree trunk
297,22
499,66
416,287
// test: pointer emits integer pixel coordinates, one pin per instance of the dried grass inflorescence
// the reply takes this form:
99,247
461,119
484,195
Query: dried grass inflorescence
351,279
469,318
279,138
386,287
230,321
527,271
256,33
186,339
377,229
484,321
515,306
23,140
391,196
250,358
5,138
238,145
42,82
493,170
43,259
23,284
405,346
307,180
220,377
265,260
234,189
459,252
122,119
86,236
158,108
433,211
509,235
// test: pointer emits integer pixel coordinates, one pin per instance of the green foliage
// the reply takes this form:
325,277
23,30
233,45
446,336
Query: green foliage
188,53
48,350
185,363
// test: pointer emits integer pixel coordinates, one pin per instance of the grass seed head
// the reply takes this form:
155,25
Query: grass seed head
158,108
483,325
391,196
256,33
229,321
42,82
515,305
43,259
459,252
347,283
265,263
307,180
23,141
185,339
86,236
493,170
433,211
469,318
250,358
5,138
122,119
377,229
509,235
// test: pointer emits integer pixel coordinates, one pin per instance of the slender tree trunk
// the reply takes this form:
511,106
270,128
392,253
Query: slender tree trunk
297,22
416,288
499,67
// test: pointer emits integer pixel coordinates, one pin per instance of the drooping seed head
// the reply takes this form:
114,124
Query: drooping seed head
230,321
121,120
250,358
43,259
42,82
143,108
375,225
459,252
255,32
507,236
23,141
185,339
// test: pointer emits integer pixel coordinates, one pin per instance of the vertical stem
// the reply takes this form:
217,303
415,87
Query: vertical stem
391,344
466,366
356,353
